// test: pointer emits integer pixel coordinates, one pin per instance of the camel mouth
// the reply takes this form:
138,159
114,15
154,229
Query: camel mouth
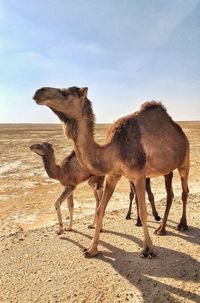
35,147
39,97
38,100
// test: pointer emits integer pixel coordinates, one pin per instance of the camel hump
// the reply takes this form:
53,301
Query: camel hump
152,104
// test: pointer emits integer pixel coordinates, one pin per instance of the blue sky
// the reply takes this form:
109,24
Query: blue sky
126,52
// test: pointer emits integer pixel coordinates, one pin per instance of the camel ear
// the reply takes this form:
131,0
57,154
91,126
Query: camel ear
83,91
47,144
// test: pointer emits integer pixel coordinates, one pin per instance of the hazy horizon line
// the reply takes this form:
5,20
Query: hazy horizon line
4,123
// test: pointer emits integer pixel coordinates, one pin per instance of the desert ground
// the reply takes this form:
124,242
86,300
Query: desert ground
37,265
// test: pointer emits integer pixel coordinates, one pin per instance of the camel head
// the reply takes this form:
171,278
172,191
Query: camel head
42,149
69,104
66,102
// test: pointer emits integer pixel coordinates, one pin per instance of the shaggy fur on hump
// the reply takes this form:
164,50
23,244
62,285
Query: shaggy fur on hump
124,121
151,104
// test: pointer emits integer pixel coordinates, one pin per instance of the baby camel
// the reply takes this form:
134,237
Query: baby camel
69,173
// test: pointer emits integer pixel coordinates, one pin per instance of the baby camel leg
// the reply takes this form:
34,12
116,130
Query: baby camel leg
70,204
98,195
65,194
148,250
170,195
110,185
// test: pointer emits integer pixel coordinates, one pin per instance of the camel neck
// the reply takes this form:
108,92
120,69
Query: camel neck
89,152
52,169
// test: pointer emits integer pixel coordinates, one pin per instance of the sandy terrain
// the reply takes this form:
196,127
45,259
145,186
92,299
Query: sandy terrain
39,266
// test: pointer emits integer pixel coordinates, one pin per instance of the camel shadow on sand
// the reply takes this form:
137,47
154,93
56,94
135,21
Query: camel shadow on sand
147,274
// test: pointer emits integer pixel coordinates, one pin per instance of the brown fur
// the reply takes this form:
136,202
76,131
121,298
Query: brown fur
69,173
147,143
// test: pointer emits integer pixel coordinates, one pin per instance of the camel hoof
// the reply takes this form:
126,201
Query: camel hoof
148,253
69,229
157,218
128,217
91,226
90,253
182,226
160,231
60,232
138,223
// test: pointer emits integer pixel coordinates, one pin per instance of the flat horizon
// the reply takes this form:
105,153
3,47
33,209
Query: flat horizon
55,123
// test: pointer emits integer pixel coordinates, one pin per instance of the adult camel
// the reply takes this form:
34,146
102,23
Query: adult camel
147,143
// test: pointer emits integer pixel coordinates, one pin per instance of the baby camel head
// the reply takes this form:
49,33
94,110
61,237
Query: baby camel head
66,103
42,149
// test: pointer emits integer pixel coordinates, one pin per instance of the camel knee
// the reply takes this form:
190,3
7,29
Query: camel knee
100,192
100,212
57,205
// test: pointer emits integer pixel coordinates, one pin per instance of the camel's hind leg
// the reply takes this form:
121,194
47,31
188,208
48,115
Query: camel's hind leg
148,250
184,183
151,199
110,185
131,197
132,194
168,186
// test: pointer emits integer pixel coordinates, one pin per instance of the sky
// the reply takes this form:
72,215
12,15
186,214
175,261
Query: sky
126,52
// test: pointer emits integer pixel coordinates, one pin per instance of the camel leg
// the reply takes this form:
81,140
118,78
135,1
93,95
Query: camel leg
65,194
70,204
138,221
110,185
148,250
184,182
131,197
151,199
168,186
97,195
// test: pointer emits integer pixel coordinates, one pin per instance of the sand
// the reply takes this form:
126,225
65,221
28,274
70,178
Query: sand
37,265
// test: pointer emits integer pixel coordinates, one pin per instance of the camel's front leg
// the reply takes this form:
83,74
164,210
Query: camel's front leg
111,182
65,194
70,204
148,250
